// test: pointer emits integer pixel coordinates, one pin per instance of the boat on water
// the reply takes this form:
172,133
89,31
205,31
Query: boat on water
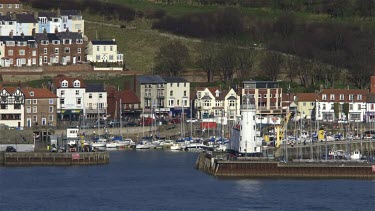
144,145
112,144
356,155
101,142
124,143
176,146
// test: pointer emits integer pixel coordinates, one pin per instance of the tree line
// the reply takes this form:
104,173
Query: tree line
320,52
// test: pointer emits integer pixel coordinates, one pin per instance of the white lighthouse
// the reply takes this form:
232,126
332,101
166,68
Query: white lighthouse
244,136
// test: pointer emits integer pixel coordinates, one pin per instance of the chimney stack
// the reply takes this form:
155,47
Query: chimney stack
11,33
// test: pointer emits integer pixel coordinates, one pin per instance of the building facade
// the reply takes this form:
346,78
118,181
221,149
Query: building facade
103,51
306,105
95,100
177,97
71,92
12,102
26,24
40,107
19,51
10,6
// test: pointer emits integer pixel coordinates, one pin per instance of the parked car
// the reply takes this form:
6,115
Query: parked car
10,149
130,124
175,121
192,120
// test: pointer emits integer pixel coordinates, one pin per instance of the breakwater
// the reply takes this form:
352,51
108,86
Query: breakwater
52,159
265,168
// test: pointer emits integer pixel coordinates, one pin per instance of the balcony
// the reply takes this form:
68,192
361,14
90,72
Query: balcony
94,111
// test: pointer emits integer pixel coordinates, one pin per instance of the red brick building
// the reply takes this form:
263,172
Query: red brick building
18,51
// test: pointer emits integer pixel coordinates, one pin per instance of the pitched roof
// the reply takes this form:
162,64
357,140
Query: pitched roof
174,79
11,90
103,42
38,93
307,97
47,14
26,18
150,79
17,38
95,88
69,35
6,18
46,36
57,81
69,12
346,93
128,97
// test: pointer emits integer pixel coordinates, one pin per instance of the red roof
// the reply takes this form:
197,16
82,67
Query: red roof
307,97
38,93
128,97
57,81
10,89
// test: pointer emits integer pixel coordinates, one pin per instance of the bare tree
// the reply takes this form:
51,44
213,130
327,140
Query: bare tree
271,65
206,61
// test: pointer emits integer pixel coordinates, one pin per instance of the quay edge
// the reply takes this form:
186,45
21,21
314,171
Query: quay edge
220,167
53,159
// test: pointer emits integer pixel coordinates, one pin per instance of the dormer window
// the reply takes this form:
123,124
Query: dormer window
64,84
44,42
359,97
56,42
67,41
76,84
79,41
32,94
324,97
332,97
217,93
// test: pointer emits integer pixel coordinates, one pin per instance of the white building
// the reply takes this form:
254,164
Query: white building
7,25
103,51
71,92
244,136
12,103
354,99
213,102
177,97
95,101
72,20
26,24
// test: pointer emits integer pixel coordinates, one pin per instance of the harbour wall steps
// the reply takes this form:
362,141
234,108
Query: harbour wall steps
53,159
258,168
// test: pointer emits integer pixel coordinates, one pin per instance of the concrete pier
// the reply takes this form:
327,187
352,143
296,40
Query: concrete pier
265,168
53,159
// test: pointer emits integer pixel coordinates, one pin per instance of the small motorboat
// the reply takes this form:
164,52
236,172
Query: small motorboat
112,144
101,142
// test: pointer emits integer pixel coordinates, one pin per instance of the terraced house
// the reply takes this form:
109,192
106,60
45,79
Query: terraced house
60,48
18,51
103,51
40,107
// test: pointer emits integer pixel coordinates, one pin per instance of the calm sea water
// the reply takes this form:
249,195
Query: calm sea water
162,180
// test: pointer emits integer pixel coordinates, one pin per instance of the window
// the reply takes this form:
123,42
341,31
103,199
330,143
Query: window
171,93
78,50
110,57
324,97
350,106
50,109
1,5
62,101
28,102
45,59
56,42
350,97
324,107
10,52
359,97
45,50
76,84
207,103
171,103
10,43
359,107
304,103
79,41
64,84
45,42
178,102
66,42
100,95
332,97
35,101
56,50
265,95
35,118
342,97
231,103
259,96
97,57
90,96
78,101
66,50
97,48
217,103
28,109
105,48
21,52
184,93
77,92
33,53
9,6
50,101
111,48
35,109
50,118
17,6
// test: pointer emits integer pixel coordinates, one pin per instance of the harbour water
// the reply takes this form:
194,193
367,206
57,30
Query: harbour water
163,180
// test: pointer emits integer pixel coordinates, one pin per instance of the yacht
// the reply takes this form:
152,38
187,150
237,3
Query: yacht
112,144
144,145
123,143
101,142
356,155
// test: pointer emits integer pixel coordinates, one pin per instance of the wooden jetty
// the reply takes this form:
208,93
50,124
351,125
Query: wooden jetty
53,159
265,168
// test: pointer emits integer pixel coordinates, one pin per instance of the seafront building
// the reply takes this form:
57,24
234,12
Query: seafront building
103,51
95,101
12,101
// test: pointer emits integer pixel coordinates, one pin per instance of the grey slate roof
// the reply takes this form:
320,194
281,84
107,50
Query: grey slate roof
46,36
95,88
17,38
69,35
150,79
47,14
69,12
26,18
174,79
5,18
206,97
103,42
